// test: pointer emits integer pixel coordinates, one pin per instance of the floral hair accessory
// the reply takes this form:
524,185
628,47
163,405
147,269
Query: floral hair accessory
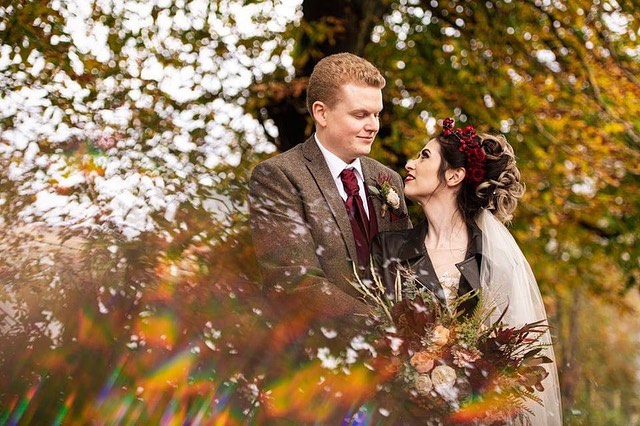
471,149
447,126
386,192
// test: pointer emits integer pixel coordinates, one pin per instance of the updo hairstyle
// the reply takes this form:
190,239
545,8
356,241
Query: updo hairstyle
499,190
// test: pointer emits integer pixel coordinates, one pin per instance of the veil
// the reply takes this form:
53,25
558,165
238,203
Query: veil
506,278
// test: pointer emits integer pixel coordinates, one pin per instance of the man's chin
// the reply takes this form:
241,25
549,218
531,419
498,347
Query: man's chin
366,150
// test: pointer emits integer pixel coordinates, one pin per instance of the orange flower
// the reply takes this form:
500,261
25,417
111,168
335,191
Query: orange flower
422,362
440,335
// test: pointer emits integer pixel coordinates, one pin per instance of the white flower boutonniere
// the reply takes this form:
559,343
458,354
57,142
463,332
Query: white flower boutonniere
386,192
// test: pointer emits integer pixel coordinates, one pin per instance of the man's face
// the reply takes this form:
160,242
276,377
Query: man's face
348,128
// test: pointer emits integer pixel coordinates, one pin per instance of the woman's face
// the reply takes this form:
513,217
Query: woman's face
423,178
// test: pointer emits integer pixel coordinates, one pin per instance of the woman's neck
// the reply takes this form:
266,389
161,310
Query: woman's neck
447,228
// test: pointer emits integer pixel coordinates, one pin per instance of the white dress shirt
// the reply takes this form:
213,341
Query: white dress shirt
336,166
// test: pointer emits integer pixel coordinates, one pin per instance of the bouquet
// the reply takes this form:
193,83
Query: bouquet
453,364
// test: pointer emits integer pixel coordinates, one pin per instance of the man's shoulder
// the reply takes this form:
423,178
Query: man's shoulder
374,163
291,158
379,168
286,157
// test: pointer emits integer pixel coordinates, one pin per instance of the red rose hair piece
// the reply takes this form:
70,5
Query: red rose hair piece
471,149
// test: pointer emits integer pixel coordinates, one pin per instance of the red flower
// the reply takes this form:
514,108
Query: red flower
447,126
476,175
471,149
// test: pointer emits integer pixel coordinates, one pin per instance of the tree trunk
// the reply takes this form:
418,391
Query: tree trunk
570,364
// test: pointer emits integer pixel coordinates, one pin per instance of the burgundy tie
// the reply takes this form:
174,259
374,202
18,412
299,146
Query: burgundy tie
357,215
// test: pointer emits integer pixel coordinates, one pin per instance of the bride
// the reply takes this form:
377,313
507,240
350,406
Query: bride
468,185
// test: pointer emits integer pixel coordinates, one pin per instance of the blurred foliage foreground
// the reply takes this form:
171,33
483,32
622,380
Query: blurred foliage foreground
172,331
169,327
153,332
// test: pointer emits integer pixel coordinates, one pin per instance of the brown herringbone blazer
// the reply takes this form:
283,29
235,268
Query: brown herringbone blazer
302,234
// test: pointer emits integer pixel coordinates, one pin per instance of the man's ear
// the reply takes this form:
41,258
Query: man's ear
319,110
454,176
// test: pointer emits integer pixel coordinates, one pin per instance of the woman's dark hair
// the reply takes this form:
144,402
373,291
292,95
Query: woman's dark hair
499,190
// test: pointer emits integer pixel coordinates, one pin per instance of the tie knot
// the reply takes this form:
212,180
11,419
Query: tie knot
350,181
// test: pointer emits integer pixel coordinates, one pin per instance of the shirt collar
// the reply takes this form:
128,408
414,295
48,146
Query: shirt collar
336,165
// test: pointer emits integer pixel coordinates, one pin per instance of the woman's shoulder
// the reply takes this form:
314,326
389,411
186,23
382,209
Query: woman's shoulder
395,236
417,232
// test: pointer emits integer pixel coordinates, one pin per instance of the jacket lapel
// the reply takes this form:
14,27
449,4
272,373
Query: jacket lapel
369,170
414,246
414,253
320,172
469,268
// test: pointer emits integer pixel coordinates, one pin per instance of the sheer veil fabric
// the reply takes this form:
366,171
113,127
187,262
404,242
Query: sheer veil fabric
507,280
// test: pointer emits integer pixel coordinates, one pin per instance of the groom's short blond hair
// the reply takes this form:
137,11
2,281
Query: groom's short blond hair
333,71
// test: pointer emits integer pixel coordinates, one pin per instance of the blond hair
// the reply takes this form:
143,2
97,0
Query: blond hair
502,186
333,71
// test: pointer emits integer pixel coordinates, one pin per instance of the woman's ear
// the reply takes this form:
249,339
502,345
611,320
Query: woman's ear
454,176
319,110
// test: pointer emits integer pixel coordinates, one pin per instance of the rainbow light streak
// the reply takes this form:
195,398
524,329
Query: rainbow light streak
115,408
362,417
170,417
304,397
63,410
131,407
225,395
23,404
223,413
104,392
135,415
5,416
123,408
199,414
173,372
476,409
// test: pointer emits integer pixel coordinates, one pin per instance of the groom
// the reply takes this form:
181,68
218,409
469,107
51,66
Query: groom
312,214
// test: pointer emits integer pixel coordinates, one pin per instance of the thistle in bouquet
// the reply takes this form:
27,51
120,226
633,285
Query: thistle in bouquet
452,363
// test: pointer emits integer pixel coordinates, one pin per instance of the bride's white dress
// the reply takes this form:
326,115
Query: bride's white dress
450,282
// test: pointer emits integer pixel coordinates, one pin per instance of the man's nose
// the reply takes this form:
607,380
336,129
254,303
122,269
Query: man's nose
372,124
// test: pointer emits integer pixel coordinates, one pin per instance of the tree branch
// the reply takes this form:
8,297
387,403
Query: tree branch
629,129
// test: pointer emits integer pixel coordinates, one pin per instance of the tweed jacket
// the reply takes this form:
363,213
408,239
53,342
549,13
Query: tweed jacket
302,234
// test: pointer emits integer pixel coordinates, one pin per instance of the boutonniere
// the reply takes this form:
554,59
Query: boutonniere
383,189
